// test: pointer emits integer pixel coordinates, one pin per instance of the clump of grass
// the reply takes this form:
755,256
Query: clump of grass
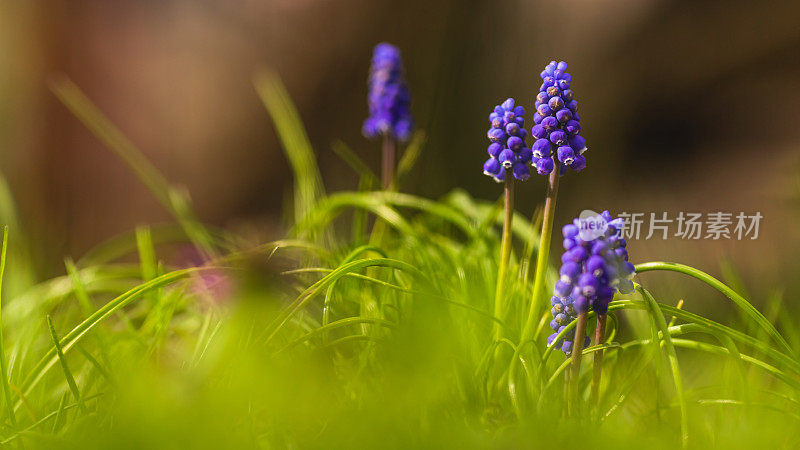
151,356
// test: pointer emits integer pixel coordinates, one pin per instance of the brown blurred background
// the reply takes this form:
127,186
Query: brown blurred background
687,106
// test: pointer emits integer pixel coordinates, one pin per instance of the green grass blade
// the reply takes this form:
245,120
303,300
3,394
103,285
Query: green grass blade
357,164
3,364
673,361
175,201
308,181
409,158
740,301
73,386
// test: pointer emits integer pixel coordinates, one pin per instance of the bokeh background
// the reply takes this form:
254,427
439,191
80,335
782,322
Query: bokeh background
687,106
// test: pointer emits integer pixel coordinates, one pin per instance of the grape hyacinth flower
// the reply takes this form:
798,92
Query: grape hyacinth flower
509,160
389,105
593,269
507,151
556,123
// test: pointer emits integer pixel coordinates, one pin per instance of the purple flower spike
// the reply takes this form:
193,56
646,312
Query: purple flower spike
591,273
388,99
508,150
557,122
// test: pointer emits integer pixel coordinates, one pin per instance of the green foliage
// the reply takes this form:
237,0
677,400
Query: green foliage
156,356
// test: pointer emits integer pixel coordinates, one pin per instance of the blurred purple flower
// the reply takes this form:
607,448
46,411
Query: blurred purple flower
388,99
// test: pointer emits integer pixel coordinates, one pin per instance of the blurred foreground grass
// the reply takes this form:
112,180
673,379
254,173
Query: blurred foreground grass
370,326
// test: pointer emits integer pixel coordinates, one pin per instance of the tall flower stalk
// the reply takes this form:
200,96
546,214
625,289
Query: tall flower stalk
558,146
509,160
389,106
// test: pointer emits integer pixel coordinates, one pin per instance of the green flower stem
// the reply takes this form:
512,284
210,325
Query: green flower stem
389,156
505,253
599,338
542,256
577,356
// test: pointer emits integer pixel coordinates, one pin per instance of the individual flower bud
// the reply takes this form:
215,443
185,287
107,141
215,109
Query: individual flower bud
570,270
541,148
500,177
521,171
572,105
496,135
563,289
564,115
578,144
538,132
572,127
544,110
579,163
595,265
570,230
507,158
512,129
525,155
581,304
542,97
549,123
495,149
544,166
558,137
578,254
600,246
514,143
588,284
565,155
555,103
492,167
